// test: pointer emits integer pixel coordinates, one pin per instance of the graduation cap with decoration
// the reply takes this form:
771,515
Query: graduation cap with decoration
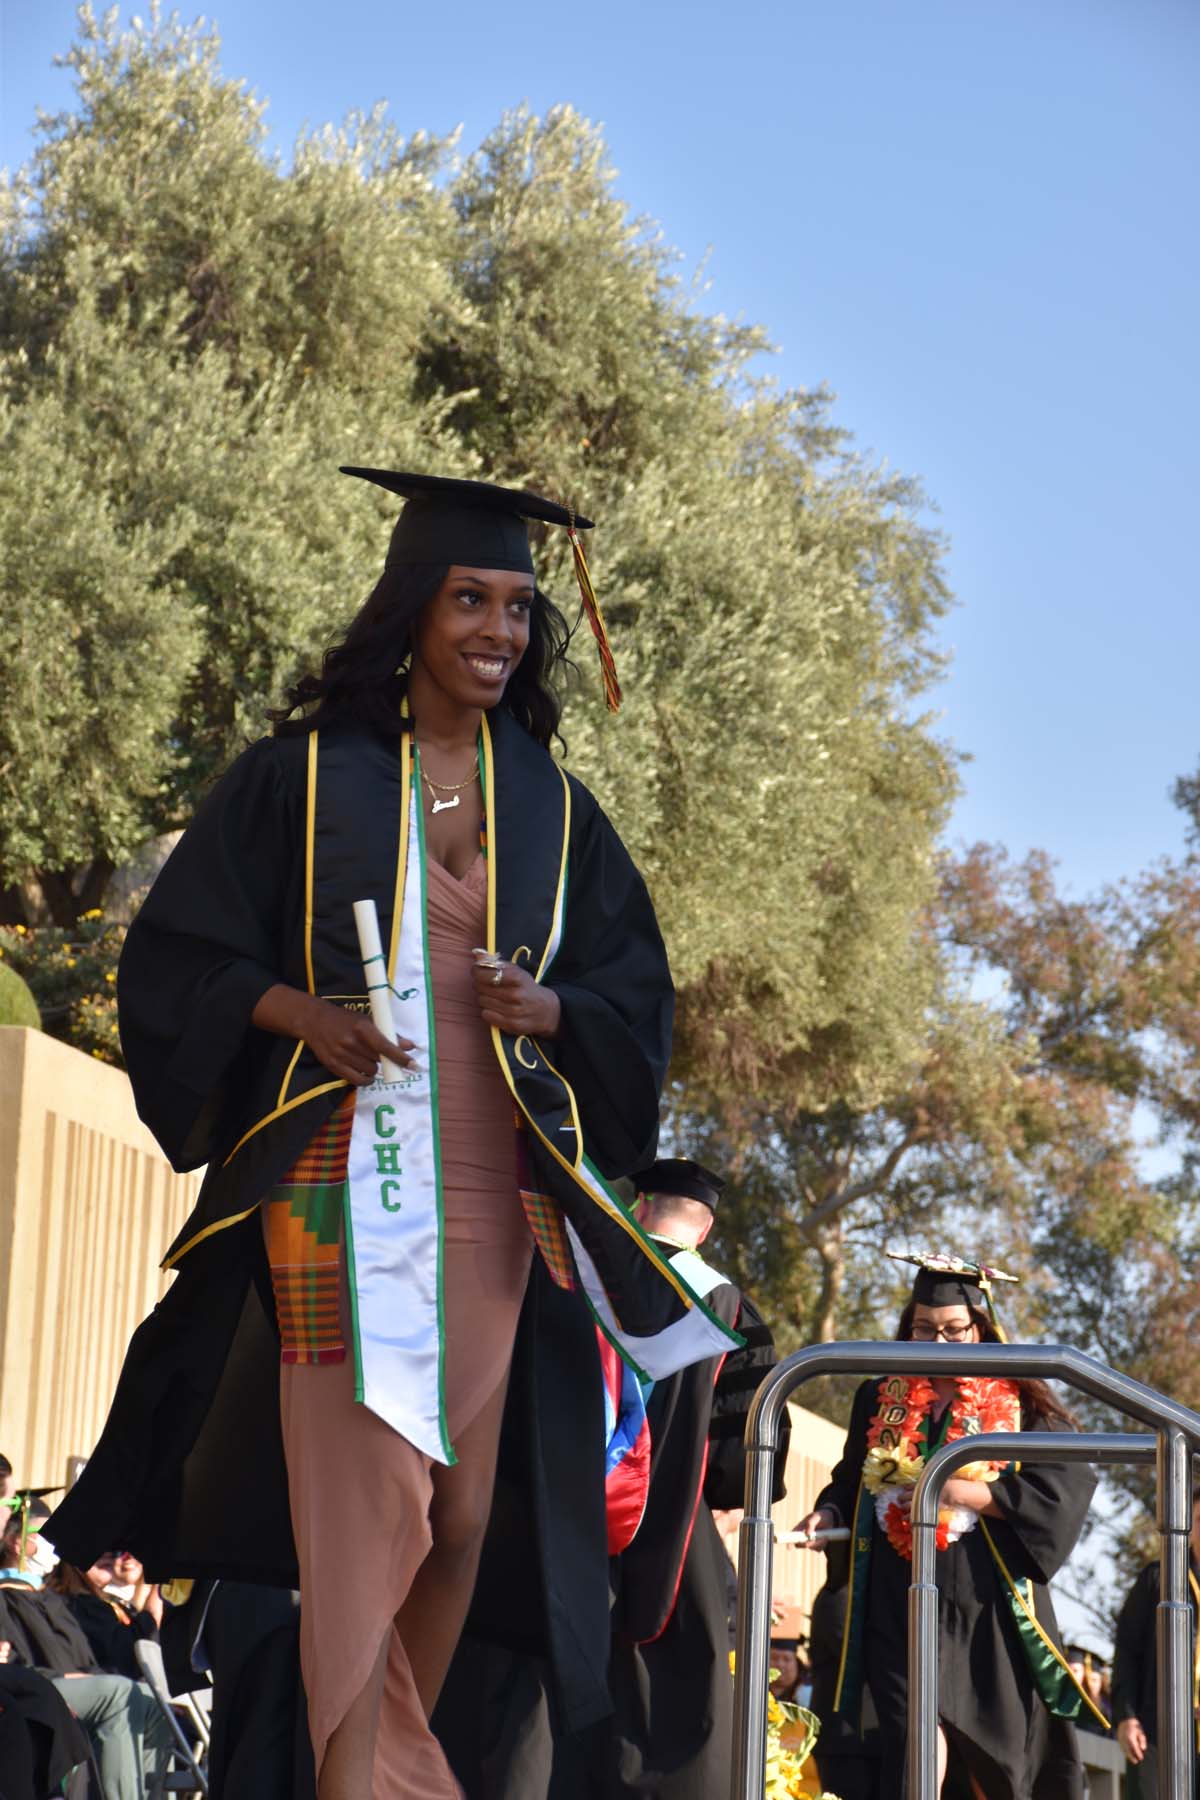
943,1280
482,526
21,1505
680,1177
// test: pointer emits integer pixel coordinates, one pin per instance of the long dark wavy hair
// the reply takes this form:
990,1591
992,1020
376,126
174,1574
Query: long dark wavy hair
1037,1400
364,675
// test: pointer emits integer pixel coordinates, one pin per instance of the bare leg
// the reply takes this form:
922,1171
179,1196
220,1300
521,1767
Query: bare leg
431,1620
350,1752
941,1760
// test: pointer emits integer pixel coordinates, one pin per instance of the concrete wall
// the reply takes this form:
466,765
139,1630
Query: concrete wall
88,1205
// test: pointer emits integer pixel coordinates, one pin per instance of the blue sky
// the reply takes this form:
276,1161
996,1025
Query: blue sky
975,220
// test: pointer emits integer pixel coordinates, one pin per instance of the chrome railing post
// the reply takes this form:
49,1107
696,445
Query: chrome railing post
923,1654
1179,1424
756,1543
923,1638
1176,1723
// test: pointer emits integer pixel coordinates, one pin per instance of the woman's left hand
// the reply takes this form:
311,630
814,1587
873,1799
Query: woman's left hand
513,1001
975,1494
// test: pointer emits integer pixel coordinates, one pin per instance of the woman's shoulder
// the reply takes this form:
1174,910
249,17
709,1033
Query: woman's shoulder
282,759
522,756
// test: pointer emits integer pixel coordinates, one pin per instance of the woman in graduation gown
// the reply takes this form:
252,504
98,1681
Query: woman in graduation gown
1005,1692
374,1197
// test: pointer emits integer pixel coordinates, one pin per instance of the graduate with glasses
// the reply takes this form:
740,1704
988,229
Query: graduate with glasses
1006,1696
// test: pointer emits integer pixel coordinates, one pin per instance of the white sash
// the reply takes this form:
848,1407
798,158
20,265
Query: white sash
394,1195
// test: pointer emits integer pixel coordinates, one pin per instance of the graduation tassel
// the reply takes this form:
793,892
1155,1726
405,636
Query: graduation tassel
986,1285
595,618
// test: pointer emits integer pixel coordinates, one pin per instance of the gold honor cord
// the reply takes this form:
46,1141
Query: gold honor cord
1047,1664
852,1582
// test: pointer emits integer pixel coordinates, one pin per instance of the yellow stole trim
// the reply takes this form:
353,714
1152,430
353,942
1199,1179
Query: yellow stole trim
841,1674
627,1224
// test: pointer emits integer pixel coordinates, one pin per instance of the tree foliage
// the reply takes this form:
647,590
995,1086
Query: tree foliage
1065,1037
195,332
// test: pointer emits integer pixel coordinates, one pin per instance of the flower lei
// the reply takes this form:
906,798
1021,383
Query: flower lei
894,1461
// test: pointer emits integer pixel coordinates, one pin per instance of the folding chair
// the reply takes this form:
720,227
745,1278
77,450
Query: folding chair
184,1775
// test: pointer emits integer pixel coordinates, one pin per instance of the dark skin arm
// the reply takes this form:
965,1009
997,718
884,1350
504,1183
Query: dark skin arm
349,1044
515,1002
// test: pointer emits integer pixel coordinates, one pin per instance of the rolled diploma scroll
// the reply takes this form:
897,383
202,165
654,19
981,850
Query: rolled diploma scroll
833,1534
375,972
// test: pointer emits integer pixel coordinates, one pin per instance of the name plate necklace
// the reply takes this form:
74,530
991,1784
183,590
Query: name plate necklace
449,787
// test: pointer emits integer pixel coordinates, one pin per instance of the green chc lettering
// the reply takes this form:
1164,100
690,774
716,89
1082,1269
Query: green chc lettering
387,1159
382,1130
387,1204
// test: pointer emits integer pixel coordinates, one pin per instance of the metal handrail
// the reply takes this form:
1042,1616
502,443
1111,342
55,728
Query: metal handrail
923,1633
1177,1425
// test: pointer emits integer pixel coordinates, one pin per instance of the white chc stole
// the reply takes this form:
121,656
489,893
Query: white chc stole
394,1185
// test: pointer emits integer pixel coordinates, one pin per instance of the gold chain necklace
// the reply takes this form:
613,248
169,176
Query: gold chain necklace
449,787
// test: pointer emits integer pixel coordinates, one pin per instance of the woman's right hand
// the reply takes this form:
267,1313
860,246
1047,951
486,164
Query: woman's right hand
349,1044
824,1519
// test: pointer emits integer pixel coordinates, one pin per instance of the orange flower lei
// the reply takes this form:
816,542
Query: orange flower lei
894,1439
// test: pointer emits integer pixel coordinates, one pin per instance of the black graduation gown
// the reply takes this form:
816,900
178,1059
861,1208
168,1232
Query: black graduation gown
43,1741
669,1673
846,1755
995,1719
111,1639
43,1631
1135,1658
189,1470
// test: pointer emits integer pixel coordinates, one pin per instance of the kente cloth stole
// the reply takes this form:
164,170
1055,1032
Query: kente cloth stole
304,1239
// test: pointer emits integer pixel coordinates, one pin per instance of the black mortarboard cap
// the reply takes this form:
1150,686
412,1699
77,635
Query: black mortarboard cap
943,1280
677,1175
482,526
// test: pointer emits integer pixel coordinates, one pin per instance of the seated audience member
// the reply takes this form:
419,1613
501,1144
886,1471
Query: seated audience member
1091,1673
127,1731
111,1625
785,1661
128,1584
44,1750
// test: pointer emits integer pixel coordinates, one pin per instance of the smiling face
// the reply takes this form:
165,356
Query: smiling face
127,1569
472,634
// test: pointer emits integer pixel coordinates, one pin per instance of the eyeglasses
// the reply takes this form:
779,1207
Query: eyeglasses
953,1334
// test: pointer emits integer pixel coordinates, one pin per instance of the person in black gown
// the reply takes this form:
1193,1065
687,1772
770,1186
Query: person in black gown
1006,1695
1135,1666
669,1668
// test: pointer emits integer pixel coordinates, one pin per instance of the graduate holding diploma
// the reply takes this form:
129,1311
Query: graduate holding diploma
402,989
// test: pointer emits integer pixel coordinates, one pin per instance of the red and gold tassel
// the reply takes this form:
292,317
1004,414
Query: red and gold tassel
595,618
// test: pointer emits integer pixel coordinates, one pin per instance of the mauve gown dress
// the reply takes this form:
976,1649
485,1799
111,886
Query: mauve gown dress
360,1492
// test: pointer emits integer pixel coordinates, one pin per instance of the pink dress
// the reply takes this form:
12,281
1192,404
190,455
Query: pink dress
360,1493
